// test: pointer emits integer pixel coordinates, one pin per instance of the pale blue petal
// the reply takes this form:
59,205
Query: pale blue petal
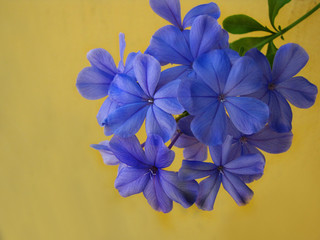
194,169
107,107
128,68
168,9
107,155
102,60
251,164
171,74
122,44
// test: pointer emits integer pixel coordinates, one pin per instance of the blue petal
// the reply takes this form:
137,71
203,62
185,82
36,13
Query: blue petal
93,84
128,68
248,115
195,96
251,164
168,45
169,10
236,188
122,44
147,70
107,155
194,169
102,60
166,98
223,153
131,181
184,125
160,123
271,141
171,74
156,196
233,55
213,68
125,90
223,42
210,126
158,154
129,151
196,152
126,121
263,64
204,34
245,77
299,91
232,130
210,9
288,61
182,192
107,107
208,190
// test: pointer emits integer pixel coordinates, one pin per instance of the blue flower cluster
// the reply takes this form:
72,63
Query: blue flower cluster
232,105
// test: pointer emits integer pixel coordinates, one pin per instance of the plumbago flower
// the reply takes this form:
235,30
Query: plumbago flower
226,170
144,98
280,85
218,87
144,172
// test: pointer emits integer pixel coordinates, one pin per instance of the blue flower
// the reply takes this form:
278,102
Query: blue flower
280,85
193,149
226,170
266,139
106,153
93,82
171,11
217,89
145,97
144,172
170,45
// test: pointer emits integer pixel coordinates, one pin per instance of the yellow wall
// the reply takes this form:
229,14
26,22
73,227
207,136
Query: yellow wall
53,186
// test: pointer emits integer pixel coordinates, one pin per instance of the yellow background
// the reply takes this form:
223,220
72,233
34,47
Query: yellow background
54,186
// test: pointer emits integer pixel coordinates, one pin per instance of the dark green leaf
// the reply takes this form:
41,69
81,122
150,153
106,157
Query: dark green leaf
239,24
244,44
271,52
274,7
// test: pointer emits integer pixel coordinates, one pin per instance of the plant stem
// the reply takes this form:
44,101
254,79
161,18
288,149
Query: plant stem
184,114
175,139
283,31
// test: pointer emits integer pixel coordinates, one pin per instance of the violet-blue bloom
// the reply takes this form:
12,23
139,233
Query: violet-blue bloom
225,170
171,11
217,89
107,155
144,172
144,100
280,85
193,149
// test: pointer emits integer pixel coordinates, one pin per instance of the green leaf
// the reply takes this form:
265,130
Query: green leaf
274,7
239,24
271,52
244,44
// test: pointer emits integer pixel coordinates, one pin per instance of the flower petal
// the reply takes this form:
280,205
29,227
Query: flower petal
288,61
299,91
107,155
271,141
213,68
251,164
248,115
182,192
184,125
196,96
122,44
168,9
147,70
245,77
160,123
126,121
131,181
125,90
210,9
129,151
128,68
93,84
107,107
280,112
168,45
158,154
166,98
210,126
204,34
174,73
236,188
196,152
194,169
208,190
102,60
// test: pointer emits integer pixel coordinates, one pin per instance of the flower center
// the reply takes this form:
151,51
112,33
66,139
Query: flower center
221,98
220,168
153,170
151,100
243,139
271,86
